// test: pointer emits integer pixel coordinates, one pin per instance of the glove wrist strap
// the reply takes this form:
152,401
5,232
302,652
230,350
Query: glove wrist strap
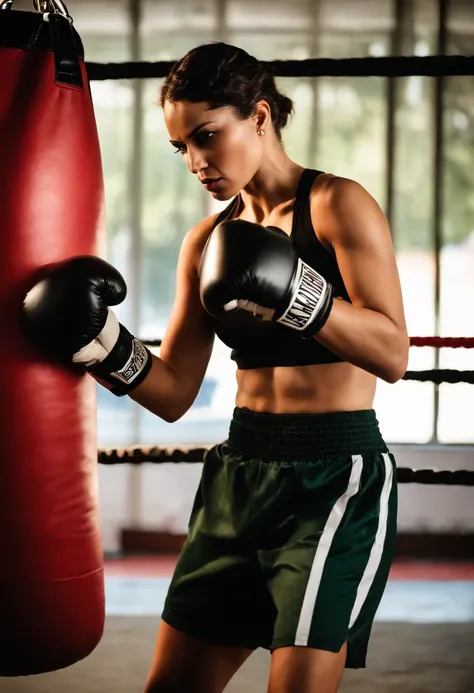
126,367
311,301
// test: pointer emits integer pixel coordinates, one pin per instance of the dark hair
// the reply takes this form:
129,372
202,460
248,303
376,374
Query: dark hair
224,75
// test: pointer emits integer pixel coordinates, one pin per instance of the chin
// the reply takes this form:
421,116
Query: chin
226,193
222,196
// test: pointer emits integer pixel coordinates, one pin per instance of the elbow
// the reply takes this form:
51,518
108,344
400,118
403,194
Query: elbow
393,375
173,418
175,411
396,368
168,412
173,415
169,417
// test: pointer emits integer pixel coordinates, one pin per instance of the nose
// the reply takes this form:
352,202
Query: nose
195,160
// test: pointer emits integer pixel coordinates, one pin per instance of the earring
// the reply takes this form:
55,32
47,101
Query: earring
260,133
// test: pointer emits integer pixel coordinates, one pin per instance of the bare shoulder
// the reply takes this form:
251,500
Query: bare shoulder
332,192
195,240
341,205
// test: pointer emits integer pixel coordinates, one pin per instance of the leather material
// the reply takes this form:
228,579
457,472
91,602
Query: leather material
52,605
29,31
67,307
126,366
257,344
66,55
246,261
255,268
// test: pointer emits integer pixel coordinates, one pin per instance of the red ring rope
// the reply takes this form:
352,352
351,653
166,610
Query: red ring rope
439,342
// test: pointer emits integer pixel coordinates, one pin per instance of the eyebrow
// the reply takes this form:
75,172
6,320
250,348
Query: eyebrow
193,132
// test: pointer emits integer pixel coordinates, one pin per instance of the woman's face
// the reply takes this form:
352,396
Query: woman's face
223,151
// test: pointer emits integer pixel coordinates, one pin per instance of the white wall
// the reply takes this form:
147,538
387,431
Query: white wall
160,496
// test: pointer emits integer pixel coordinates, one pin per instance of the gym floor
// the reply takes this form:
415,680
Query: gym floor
423,638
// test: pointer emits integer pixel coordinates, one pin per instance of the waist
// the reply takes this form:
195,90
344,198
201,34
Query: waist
304,437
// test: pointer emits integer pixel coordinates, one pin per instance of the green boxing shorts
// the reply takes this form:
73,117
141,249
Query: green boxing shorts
291,535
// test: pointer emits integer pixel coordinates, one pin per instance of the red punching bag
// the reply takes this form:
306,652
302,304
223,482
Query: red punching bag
51,204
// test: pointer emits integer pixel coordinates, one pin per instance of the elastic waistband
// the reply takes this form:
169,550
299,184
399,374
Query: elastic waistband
304,436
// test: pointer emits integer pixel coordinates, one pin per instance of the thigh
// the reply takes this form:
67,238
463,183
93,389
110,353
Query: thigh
306,670
183,663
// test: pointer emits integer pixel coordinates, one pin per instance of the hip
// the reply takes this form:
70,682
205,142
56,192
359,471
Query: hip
292,472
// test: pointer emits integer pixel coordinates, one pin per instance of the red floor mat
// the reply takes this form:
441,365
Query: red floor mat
163,566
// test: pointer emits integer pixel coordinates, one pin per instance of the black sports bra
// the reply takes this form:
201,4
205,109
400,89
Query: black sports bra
257,344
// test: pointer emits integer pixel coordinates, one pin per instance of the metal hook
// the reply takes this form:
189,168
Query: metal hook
42,6
62,7
48,6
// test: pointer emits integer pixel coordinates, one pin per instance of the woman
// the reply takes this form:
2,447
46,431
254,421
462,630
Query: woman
292,531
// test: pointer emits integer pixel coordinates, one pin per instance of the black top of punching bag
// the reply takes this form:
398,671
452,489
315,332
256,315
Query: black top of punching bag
28,30
35,31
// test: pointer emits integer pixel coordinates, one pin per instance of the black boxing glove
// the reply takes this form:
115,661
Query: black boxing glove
249,267
67,315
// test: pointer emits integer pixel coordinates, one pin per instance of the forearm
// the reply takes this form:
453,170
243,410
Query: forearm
366,339
161,392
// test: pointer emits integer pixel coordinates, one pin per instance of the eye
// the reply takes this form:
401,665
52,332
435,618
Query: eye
204,137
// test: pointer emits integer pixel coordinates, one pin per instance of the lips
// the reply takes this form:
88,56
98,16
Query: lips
211,183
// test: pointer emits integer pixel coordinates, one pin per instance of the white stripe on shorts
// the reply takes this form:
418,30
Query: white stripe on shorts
376,552
324,546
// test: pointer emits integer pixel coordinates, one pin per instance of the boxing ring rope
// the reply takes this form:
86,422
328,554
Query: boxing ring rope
189,455
395,66
443,342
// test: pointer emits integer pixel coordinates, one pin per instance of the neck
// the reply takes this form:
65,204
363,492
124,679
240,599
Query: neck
275,183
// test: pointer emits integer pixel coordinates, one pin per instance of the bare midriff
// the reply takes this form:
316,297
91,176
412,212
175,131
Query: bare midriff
306,389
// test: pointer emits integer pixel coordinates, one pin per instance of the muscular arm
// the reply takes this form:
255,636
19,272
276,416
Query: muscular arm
176,376
371,333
